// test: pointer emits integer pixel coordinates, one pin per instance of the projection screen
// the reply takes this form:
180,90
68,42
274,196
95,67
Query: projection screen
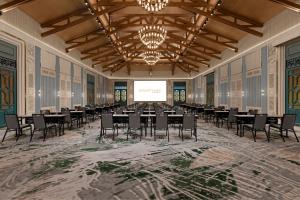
150,91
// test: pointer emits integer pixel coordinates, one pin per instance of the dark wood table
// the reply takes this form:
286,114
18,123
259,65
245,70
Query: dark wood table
78,115
248,119
124,118
58,119
219,115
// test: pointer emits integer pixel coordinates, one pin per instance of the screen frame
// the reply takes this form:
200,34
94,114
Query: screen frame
166,83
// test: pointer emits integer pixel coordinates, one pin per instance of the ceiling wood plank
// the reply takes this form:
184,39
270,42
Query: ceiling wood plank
288,4
12,5
73,19
218,18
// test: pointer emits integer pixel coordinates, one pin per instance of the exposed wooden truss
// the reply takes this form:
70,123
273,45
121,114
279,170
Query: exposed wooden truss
12,5
288,4
114,43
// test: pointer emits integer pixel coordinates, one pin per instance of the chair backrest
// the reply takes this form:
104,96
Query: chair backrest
39,121
288,121
234,109
12,121
260,121
161,121
188,121
231,115
68,115
180,112
107,121
119,111
253,111
45,112
220,108
134,121
64,109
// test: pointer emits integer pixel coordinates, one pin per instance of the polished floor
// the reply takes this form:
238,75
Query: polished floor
220,165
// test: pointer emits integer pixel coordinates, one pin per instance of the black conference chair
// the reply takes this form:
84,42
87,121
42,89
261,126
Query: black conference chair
13,124
134,124
188,124
161,124
40,125
259,124
231,119
287,124
107,124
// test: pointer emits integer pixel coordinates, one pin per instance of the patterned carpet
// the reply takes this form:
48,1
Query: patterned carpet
220,165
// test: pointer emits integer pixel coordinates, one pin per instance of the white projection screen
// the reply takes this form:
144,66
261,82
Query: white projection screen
150,91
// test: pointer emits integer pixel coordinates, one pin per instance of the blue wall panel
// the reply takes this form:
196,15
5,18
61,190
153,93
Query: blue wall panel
264,79
72,90
244,83
57,70
37,79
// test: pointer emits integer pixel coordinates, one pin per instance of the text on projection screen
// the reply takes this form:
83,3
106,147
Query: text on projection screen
150,91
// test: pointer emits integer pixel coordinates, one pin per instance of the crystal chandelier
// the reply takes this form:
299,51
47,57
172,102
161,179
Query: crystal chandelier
152,36
153,5
151,57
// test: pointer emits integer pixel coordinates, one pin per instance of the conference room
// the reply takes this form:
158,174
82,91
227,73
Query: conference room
149,99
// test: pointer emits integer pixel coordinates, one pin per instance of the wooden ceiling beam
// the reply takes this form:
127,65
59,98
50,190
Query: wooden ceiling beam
104,54
233,23
288,4
85,39
108,64
12,5
100,51
77,17
197,44
85,35
134,3
118,67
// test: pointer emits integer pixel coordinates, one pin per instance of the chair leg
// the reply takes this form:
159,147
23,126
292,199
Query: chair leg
295,135
45,134
19,133
182,133
113,134
141,134
31,136
282,135
127,132
101,133
154,134
168,135
254,135
267,135
4,135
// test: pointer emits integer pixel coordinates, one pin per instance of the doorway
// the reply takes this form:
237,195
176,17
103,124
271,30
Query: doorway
8,80
179,93
120,94
292,80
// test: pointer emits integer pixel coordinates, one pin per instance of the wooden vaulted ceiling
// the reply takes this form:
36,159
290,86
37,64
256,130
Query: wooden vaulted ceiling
106,31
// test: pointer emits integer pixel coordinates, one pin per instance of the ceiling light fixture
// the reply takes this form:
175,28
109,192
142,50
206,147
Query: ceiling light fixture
151,57
152,36
153,5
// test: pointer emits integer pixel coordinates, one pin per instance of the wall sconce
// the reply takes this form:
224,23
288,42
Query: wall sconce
39,93
228,94
58,93
243,93
262,92
73,94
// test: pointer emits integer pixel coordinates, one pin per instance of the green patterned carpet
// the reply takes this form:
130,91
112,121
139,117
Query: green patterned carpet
220,165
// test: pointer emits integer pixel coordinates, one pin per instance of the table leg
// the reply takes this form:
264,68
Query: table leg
151,125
